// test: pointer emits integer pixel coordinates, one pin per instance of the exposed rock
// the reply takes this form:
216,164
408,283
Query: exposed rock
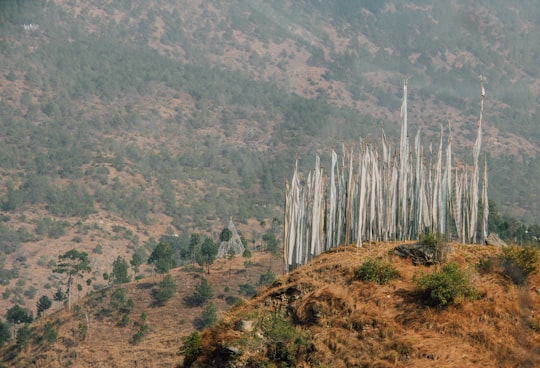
244,326
493,239
420,254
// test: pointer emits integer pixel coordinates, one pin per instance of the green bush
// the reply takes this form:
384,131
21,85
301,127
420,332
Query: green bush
165,290
519,262
447,286
5,333
49,333
438,245
376,270
137,337
247,290
283,340
267,278
203,292
208,317
515,263
191,347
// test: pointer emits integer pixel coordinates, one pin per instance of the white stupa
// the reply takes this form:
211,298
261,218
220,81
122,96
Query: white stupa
234,243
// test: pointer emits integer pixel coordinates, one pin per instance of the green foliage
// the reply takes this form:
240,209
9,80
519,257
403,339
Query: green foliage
137,259
74,200
141,332
437,244
5,334
18,315
376,270
43,304
124,320
191,347
59,295
267,278
119,274
208,253
203,293
98,249
49,333
208,317
118,299
50,227
74,264
225,235
165,290
283,340
272,244
447,286
24,334
83,331
519,262
513,262
162,257
247,290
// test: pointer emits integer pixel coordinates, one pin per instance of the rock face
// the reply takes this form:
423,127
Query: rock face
420,254
493,239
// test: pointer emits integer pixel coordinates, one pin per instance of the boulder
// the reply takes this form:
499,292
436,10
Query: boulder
420,254
493,239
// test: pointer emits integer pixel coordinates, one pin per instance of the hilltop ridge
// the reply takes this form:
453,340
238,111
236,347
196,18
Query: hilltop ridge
327,317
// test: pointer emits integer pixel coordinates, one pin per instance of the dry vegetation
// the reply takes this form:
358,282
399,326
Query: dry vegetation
107,344
343,322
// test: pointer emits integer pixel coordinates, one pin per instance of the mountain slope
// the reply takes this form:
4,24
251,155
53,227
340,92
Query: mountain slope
95,333
124,121
322,315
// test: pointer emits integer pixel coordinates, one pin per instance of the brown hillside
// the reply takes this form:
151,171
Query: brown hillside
106,344
343,322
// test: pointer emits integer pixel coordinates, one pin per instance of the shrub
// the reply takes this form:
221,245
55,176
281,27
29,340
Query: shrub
519,262
118,299
283,340
23,336
514,262
203,292
165,290
208,317
137,337
438,245
191,347
376,270
49,333
448,286
247,290
267,278
5,334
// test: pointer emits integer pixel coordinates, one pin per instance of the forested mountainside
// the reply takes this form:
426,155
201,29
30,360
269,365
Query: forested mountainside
123,121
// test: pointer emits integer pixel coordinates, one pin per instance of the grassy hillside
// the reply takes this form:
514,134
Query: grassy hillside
125,121
323,314
95,332
330,312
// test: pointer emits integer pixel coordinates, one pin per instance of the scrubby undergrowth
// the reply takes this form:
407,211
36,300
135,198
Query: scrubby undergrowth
323,315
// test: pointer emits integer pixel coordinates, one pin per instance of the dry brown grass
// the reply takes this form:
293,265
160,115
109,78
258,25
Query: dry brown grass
357,324
108,345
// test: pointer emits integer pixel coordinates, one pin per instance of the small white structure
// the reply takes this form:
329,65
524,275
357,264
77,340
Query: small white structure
235,243
30,27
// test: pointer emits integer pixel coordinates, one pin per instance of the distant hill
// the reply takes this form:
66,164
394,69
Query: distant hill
322,314
123,121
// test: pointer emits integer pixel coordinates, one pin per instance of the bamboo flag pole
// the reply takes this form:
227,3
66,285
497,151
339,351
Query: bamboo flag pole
485,204
387,195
